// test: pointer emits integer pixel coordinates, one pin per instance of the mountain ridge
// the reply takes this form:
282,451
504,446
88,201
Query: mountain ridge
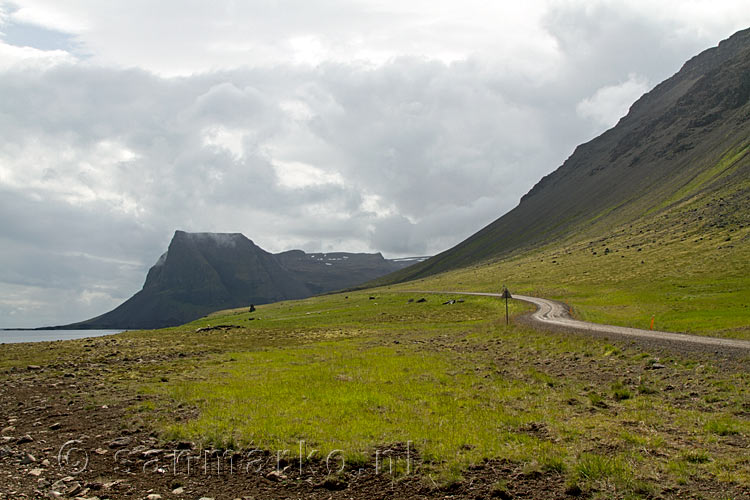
204,272
674,134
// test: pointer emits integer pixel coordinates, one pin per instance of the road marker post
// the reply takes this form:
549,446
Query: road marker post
506,295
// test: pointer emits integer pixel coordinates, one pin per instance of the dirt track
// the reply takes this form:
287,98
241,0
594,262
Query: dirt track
554,314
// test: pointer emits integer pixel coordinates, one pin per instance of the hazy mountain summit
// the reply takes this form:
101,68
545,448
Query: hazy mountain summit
204,272
688,137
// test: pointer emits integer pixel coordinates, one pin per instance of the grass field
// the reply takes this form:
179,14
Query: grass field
450,382
358,374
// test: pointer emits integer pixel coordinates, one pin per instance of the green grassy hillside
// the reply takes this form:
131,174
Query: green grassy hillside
687,265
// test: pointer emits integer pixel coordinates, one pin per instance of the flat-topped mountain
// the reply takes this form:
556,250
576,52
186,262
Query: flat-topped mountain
204,272
688,137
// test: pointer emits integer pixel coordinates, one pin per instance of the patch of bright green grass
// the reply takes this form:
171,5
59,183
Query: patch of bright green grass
725,426
360,375
594,467
726,164
349,395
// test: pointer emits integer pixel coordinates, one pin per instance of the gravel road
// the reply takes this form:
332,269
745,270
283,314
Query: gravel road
554,314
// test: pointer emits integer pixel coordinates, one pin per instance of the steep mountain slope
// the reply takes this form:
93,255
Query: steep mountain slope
204,272
690,134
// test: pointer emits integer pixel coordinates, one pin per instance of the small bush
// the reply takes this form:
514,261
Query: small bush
621,394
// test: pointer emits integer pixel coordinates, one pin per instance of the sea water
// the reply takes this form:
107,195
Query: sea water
15,336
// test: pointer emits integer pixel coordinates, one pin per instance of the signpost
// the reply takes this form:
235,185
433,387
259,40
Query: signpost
506,295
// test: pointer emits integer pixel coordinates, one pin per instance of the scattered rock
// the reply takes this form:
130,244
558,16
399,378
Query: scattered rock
73,489
7,430
421,300
501,493
35,472
95,485
275,476
55,426
153,496
178,491
137,450
449,302
24,439
120,442
220,327
33,367
28,458
112,484
332,484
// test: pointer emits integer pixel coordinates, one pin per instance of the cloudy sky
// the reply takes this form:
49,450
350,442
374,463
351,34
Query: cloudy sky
353,125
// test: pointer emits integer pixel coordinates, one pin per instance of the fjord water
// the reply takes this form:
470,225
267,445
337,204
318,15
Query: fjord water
16,336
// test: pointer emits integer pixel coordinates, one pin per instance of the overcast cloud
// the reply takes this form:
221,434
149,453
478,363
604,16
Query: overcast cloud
371,125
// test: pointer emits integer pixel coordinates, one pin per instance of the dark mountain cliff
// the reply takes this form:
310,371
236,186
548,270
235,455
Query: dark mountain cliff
690,133
212,269
204,272
323,272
